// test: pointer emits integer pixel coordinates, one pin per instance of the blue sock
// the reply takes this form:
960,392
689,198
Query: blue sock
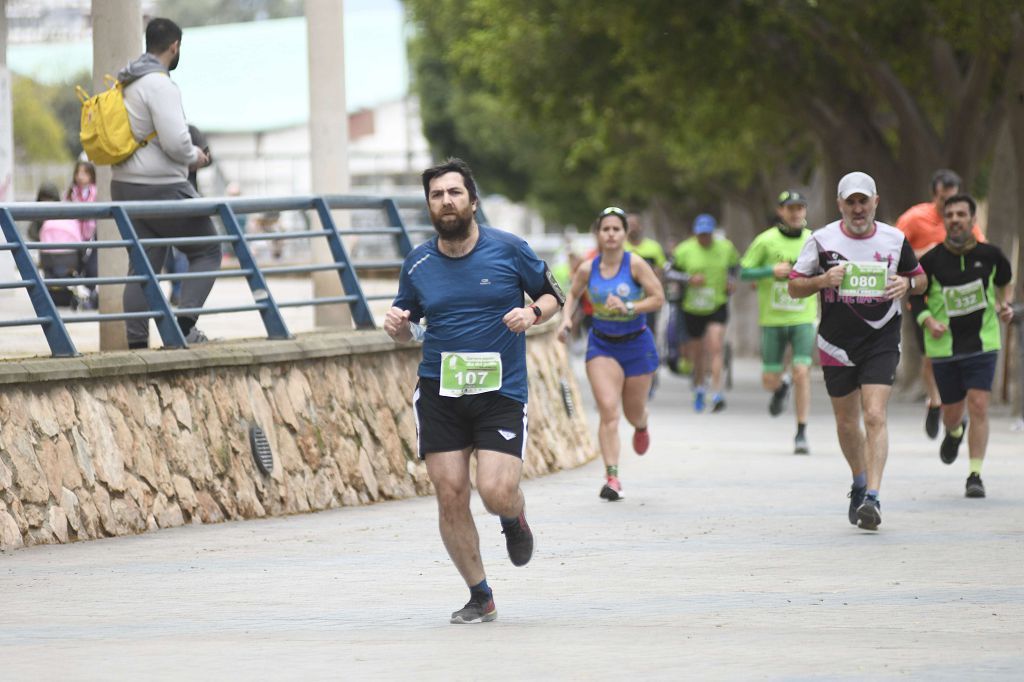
509,520
860,480
481,589
716,398
873,494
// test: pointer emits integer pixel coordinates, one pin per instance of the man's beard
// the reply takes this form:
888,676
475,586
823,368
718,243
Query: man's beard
174,62
960,242
869,222
456,229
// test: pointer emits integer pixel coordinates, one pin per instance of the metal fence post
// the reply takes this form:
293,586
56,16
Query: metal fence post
56,333
395,220
361,314
170,332
271,314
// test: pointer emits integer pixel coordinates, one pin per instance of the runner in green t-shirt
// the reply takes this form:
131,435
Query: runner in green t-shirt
708,265
784,321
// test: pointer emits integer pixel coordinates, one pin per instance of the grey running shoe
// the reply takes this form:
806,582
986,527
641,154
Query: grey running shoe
800,446
869,514
856,496
931,422
778,402
475,612
195,335
518,540
950,447
975,488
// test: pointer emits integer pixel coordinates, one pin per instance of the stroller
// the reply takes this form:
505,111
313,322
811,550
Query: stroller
62,263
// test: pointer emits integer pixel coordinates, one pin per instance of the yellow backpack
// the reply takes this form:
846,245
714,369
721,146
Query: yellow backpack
106,134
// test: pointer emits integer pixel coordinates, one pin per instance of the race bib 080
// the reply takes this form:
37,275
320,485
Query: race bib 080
864,279
469,373
964,299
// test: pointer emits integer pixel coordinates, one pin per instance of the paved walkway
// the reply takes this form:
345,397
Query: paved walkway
729,559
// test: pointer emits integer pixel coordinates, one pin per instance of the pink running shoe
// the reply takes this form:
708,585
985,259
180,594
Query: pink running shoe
612,490
641,441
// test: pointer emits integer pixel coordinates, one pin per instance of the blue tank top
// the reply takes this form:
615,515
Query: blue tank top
622,285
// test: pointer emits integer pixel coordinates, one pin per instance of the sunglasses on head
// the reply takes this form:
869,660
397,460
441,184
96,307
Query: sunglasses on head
614,210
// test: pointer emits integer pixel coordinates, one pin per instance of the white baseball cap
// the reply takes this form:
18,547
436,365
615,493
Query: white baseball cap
857,183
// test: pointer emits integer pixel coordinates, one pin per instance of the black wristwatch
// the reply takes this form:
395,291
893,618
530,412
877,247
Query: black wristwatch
538,312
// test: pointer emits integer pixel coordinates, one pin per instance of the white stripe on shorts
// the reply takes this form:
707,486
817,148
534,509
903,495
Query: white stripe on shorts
522,453
416,416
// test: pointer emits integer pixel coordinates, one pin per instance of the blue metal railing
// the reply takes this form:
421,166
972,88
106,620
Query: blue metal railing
159,308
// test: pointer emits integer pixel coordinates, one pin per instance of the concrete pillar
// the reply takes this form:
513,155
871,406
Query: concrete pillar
7,268
117,38
328,133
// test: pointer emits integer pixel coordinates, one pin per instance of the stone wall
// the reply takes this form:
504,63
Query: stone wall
121,443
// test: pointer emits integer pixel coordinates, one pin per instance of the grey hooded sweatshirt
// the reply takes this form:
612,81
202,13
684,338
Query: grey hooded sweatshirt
154,103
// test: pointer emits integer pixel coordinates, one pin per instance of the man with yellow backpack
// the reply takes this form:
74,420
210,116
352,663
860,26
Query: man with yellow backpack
157,168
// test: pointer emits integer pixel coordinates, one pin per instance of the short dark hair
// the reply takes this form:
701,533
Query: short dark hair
48,192
945,178
161,34
962,198
451,165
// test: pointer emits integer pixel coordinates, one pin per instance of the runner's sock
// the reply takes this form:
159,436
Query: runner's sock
976,465
873,494
481,591
801,430
861,480
612,470
958,431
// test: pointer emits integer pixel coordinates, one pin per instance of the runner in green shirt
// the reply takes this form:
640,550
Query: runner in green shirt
784,321
708,266
968,294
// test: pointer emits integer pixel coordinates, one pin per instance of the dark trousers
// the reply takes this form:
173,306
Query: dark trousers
201,257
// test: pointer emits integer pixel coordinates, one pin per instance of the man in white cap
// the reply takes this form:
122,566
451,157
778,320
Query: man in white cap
862,268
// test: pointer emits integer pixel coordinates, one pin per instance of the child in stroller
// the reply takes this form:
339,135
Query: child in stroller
59,263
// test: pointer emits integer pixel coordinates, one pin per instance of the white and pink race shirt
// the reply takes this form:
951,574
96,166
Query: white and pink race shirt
856,312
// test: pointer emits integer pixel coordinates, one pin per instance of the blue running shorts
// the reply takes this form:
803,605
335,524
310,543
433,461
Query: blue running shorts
636,356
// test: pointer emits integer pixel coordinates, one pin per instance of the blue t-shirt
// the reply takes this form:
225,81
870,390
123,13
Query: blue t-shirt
464,300
623,285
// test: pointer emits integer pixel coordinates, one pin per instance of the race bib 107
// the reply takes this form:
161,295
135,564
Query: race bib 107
469,373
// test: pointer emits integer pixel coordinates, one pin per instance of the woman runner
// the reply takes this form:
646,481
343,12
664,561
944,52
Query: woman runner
621,355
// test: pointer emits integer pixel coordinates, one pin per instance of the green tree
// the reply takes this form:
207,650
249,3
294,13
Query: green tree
38,133
726,98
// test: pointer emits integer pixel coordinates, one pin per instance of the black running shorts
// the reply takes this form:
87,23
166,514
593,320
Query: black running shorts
696,325
486,421
955,377
879,368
